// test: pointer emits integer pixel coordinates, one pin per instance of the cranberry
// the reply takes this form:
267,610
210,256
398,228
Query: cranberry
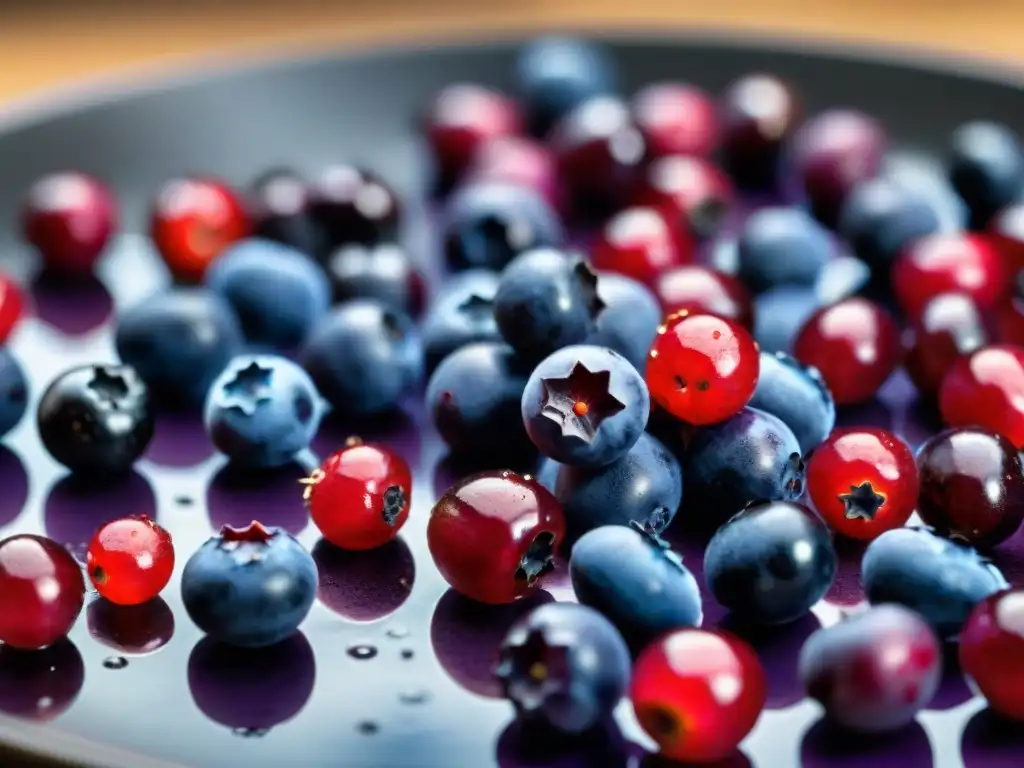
640,243
359,497
351,205
12,305
986,389
1009,318
863,482
676,119
41,591
280,206
992,651
494,534
700,289
130,560
517,160
948,327
691,190
69,219
1007,232
758,114
192,221
855,345
698,693
702,369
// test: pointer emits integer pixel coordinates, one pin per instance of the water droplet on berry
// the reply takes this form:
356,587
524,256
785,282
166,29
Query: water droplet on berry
362,652
397,633
115,662
414,696
368,727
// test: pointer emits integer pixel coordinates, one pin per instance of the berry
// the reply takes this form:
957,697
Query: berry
758,114
130,560
179,341
352,205
676,119
841,278
41,592
938,578
863,482
702,369
277,293
96,419
693,192
1009,318
629,320
780,313
69,218
564,665
770,563
992,651
461,313
383,272
13,391
781,246
12,306
640,243
494,534
1006,230
192,221
972,486
855,345
797,395
359,497
585,406
948,327
636,581
698,289
986,389
261,411
377,341
518,161
698,693
874,671
280,204
249,587
986,167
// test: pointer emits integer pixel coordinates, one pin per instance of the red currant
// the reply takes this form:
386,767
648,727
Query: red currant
641,243
41,591
863,482
855,345
949,327
193,220
1007,232
494,534
130,560
698,693
517,160
986,389
691,190
759,113
12,305
702,368
676,119
992,651
1009,318
359,497
703,290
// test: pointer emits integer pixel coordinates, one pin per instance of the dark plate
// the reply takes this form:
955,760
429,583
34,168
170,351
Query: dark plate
390,669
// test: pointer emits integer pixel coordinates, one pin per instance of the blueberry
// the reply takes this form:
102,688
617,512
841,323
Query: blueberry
546,300
462,312
488,224
644,486
750,457
986,167
635,580
364,358
585,406
249,587
278,293
96,419
938,578
796,394
770,563
383,272
13,391
179,342
842,278
780,313
564,665
781,246
262,410
629,320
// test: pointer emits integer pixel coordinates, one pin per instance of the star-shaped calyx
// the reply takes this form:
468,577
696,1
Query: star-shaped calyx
580,401
532,667
476,305
586,278
862,503
109,385
539,558
247,390
254,532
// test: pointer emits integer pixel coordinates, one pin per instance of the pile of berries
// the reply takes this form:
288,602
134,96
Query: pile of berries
612,395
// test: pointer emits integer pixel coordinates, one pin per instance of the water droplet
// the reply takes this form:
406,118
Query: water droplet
362,651
407,653
250,733
414,696
115,662
397,633
368,727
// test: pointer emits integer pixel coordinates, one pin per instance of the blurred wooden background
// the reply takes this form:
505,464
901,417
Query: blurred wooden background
51,42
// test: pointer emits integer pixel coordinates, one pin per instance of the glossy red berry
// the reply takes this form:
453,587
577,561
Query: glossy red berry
517,160
12,306
641,243
949,327
986,389
702,369
130,560
1007,232
69,218
359,497
1008,319
494,534
353,205
676,119
854,344
41,591
992,651
758,115
702,290
192,221
698,693
692,191
863,482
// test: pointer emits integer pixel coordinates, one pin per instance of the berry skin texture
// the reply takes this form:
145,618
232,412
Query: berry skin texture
770,563
758,113
261,411
986,167
564,665
698,289
384,272
781,246
641,243
874,671
702,369
940,579
359,497
585,406
986,389
677,693
972,486
992,651
494,534
41,592
863,482
855,345
130,560
676,119
629,320
797,395
353,205
249,587
948,328
13,392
